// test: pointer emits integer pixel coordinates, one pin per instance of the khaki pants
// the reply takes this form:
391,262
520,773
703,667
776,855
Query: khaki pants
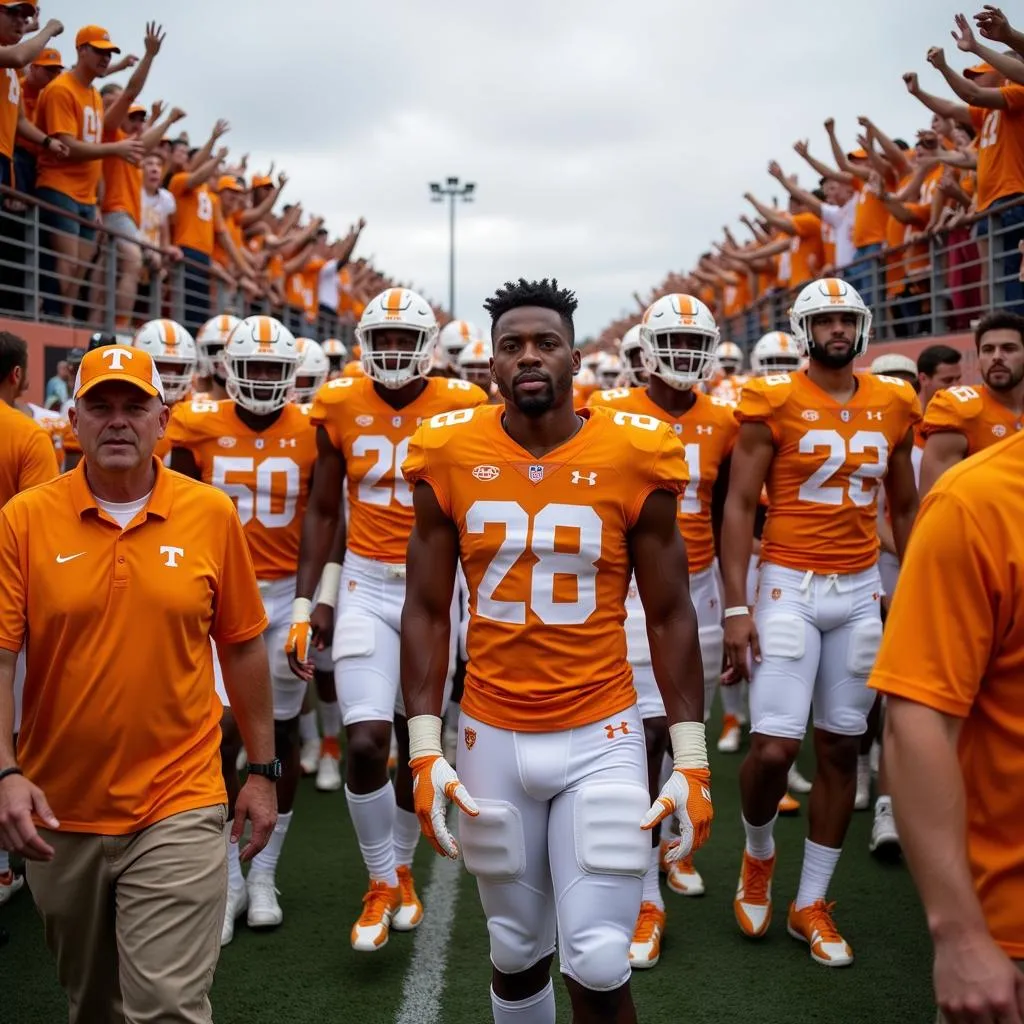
134,921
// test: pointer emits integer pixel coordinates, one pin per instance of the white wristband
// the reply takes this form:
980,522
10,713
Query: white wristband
301,609
735,611
330,581
424,736
689,745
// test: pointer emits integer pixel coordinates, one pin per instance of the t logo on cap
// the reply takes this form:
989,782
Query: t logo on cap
114,354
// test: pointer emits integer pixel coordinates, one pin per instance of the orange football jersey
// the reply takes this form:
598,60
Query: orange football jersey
266,473
829,462
708,431
545,552
971,411
373,437
730,388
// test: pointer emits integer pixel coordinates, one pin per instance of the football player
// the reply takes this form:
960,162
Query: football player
474,363
728,379
336,355
363,428
210,342
259,448
823,440
548,511
454,337
634,374
174,353
775,352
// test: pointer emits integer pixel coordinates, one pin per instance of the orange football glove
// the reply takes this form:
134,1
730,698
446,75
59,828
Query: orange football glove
301,632
434,784
687,795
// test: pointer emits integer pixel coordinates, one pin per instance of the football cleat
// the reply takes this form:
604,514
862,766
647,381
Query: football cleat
264,910
236,906
10,883
729,741
645,949
789,805
680,875
885,840
814,925
328,775
370,932
753,903
410,910
797,783
309,756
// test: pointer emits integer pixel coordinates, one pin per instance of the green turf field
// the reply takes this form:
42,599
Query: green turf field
306,973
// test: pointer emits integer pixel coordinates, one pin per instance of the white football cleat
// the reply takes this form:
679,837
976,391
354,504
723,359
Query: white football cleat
236,906
885,840
373,926
264,910
797,783
328,773
729,740
309,757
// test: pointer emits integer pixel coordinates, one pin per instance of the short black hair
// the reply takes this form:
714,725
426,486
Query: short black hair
545,294
13,353
1000,320
934,356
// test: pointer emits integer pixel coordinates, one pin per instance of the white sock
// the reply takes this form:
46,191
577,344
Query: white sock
760,839
652,891
407,836
236,880
307,727
538,1009
267,858
331,715
732,700
5,862
373,818
819,864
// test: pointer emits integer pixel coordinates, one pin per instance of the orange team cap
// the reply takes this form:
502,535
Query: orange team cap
229,183
136,108
49,59
96,37
18,3
118,362
978,69
857,154
262,181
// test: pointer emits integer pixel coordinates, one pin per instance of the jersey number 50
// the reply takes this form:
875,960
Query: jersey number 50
262,496
538,537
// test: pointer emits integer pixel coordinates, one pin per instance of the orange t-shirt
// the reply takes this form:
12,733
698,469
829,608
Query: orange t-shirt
707,431
122,183
66,107
1000,148
198,215
117,628
971,411
373,437
27,457
266,473
954,642
10,105
871,218
544,546
806,255
829,462
233,227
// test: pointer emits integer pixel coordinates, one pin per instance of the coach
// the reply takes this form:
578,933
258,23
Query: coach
116,576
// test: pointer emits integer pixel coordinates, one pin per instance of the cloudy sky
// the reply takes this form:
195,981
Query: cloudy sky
609,142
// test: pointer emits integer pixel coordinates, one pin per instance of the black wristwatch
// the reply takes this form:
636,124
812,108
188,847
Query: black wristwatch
271,770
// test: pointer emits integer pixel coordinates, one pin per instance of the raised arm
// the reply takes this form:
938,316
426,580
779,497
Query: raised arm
992,24
774,218
839,153
893,154
115,114
790,185
802,149
937,104
967,42
970,92
24,53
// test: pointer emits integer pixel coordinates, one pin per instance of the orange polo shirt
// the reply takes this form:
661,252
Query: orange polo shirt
117,628
27,457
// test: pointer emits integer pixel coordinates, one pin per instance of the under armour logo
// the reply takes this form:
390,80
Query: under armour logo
611,730
173,554
287,442
701,429
873,415
115,356
584,478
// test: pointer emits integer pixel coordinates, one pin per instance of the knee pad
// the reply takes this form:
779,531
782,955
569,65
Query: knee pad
516,945
782,636
493,845
609,840
355,636
865,639
596,957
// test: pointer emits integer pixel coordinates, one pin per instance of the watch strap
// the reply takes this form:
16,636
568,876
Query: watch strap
14,770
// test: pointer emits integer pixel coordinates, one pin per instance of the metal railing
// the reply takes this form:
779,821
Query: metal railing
47,277
927,288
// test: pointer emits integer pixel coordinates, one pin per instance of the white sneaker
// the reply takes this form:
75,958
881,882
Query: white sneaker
309,757
862,798
328,774
238,902
10,883
264,910
797,783
885,840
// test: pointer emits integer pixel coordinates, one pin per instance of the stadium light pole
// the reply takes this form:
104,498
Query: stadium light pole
452,190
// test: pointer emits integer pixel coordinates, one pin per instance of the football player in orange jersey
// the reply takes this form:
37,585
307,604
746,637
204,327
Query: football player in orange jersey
454,337
363,429
634,373
678,337
210,342
823,439
259,449
174,353
728,378
549,511
335,352
962,420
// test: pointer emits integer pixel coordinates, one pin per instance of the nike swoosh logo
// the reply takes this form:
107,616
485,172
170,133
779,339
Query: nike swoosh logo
61,559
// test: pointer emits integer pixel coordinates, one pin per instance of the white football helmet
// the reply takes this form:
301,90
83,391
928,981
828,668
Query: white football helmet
336,354
829,295
728,358
313,369
174,353
679,337
609,368
397,309
210,342
632,350
475,362
261,360
776,352
454,337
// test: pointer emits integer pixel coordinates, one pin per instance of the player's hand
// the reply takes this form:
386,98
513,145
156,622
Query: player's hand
976,981
434,783
741,637
19,799
687,795
257,803
300,637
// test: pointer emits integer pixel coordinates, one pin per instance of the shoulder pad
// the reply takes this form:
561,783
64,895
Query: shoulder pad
438,429
645,433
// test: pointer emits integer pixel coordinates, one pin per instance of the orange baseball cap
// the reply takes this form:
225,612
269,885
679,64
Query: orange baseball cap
262,181
229,183
978,69
857,154
136,108
118,362
96,37
18,3
49,59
